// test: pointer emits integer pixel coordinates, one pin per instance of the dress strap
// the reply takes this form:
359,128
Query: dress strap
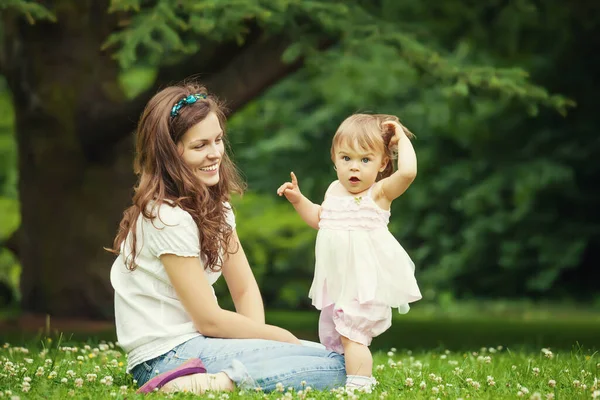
370,190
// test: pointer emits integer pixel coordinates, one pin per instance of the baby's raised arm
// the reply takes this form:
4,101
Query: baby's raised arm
309,211
396,184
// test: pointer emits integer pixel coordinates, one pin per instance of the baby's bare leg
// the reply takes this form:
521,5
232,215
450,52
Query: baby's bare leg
200,383
359,360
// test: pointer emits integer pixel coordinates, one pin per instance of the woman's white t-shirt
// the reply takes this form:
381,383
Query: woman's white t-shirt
150,319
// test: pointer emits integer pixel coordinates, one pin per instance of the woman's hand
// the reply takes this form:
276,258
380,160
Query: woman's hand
291,190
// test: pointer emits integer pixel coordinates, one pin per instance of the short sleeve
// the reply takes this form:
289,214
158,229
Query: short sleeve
229,215
173,231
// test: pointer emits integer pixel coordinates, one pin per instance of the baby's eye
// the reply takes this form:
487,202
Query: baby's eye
345,158
365,160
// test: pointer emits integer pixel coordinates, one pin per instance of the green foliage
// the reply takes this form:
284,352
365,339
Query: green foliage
29,9
9,204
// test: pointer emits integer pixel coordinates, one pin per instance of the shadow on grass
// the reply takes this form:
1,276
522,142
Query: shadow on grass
415,332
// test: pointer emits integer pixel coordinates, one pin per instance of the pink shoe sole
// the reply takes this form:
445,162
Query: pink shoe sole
191,366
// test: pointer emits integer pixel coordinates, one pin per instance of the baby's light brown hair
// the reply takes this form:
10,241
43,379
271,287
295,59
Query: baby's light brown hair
367,132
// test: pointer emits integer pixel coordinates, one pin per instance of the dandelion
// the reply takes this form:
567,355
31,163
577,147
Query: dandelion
552,383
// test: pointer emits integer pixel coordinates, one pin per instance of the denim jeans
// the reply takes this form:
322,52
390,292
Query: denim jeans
253,363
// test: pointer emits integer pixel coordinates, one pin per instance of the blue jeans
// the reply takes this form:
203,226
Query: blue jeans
252,363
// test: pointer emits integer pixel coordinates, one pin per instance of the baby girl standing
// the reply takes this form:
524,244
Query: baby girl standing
361,270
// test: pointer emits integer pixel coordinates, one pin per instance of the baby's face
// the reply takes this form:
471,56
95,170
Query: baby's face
357,168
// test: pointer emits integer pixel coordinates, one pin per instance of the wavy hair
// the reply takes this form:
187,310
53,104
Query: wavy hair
367,131
164,178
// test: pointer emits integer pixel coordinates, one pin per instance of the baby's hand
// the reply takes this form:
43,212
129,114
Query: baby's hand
398,131
290,190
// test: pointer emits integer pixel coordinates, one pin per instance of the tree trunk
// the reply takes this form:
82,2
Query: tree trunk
70,206
75,155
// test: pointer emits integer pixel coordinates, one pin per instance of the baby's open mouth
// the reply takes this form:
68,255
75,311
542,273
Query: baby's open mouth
354,179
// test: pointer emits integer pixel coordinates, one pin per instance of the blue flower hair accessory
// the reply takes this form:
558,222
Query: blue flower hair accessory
191,99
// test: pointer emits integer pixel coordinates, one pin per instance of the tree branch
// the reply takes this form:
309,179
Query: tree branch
233,74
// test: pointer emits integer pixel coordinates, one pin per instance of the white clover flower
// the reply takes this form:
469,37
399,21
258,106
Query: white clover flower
576,383
64,380
514,367
423,385
380,367
28,360
596,394
435,390
409,382
390,354
552,383
52,374
79,358
71,392
536,396
550,396
47,361
490,381
224,396
26,379
91,377
211,396
536,371
97,368
524,390
79,382
279,387
520,394
443,357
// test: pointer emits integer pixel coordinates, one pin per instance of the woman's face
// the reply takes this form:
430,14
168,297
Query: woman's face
202,149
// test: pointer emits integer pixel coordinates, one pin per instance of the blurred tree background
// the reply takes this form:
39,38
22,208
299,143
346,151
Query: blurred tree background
499,93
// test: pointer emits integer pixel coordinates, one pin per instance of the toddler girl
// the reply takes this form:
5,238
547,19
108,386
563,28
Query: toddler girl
361,270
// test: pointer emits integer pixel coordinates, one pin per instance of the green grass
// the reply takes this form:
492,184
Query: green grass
444,349
54,370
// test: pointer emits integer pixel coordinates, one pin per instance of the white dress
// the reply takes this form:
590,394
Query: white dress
358,260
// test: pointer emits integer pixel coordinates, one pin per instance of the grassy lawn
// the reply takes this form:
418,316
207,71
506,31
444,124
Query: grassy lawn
474,351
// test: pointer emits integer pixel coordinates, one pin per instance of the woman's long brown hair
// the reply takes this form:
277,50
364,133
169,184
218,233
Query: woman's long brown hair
164,178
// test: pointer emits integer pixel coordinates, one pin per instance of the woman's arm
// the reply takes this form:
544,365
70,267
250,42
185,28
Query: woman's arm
241,283
195,293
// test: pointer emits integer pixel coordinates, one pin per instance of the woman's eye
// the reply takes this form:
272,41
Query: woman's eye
346,158
365,160
219,139
199,146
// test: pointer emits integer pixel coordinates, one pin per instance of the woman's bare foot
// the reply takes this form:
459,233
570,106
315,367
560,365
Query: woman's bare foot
200,383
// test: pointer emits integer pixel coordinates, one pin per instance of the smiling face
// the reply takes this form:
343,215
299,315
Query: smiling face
357,167
202,149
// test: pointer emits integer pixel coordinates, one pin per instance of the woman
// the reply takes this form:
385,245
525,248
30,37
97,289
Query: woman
173,243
